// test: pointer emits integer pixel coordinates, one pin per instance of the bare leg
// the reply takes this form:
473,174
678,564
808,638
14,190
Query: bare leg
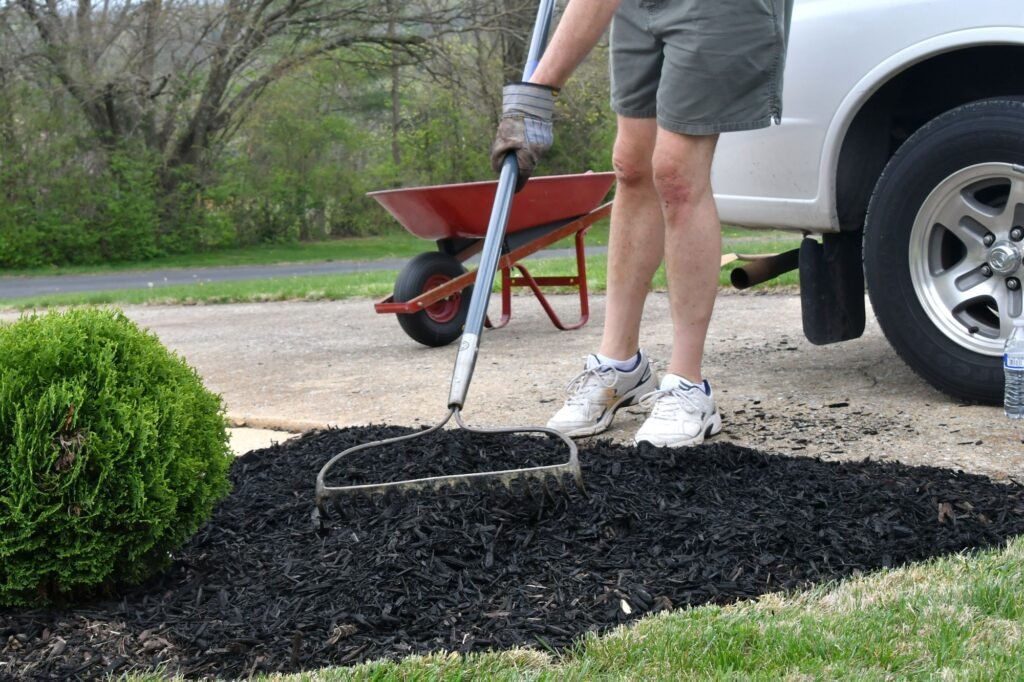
663,210
636,238
693,242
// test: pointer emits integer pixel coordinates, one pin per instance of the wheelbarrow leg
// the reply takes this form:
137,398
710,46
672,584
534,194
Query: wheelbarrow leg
579,281
506,299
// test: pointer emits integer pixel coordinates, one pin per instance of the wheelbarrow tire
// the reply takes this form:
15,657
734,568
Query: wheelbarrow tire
442,322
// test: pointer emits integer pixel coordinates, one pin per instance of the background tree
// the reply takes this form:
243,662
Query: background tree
180,75
132,129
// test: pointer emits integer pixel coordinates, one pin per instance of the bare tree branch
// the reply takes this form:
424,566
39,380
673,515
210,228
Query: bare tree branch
180,74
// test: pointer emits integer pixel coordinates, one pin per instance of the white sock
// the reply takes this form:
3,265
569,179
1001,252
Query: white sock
621,365
670,381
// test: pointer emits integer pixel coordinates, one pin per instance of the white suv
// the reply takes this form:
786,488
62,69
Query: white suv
902,145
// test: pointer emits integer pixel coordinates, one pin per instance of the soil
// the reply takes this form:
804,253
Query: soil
833,460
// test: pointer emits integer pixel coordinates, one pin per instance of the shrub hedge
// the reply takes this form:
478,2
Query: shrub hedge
112,455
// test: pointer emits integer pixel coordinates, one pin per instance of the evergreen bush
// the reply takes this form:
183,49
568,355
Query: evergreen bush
112,454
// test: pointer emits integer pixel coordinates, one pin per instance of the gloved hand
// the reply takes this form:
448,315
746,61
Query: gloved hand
525,127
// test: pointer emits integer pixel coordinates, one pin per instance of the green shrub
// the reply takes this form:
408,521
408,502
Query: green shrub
112,454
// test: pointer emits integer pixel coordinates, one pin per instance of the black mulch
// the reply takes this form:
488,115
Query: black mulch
260,589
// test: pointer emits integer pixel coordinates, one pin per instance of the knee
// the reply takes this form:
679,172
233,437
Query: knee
632,166
675,183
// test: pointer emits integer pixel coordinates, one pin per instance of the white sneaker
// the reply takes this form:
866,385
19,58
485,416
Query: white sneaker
681,414
596,393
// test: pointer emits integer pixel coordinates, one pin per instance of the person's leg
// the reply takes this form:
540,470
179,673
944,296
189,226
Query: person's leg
636,237
634,253
683,410
703,91
693,242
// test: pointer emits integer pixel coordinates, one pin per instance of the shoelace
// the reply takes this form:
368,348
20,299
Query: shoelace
593,377
683,400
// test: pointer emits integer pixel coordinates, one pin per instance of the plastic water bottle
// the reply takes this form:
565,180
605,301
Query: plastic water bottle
1013,371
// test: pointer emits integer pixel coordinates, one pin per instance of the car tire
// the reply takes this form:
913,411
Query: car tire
441,323
947,200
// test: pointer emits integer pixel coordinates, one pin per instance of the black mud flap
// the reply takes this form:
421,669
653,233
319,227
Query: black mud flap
832,288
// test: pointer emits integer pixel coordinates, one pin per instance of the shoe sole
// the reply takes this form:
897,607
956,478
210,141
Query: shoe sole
712,427
606,421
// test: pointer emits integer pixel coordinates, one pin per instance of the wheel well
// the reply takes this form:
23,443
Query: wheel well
908,101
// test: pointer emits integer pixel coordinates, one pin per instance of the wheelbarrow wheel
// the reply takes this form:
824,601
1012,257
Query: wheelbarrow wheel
440,323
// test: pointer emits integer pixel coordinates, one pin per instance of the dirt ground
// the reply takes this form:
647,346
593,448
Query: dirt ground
294,366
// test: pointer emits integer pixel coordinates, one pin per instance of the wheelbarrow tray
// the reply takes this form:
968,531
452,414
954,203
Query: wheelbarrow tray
430,307
463,210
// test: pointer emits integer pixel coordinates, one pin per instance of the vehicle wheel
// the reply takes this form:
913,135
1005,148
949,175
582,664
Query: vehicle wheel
442,322
943,245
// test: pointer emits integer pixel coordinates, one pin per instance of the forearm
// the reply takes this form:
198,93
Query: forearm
581,26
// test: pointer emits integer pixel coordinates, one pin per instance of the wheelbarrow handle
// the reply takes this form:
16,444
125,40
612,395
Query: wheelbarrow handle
469,345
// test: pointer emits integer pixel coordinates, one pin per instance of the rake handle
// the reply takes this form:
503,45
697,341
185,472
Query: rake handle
469,345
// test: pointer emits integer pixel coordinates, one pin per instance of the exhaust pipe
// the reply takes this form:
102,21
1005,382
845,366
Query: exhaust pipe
763,268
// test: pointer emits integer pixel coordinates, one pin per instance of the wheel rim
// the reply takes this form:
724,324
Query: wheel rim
446,309
966,252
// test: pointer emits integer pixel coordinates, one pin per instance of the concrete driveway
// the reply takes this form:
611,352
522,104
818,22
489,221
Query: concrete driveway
287,367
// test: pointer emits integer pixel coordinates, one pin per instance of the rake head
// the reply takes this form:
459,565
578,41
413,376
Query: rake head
527,481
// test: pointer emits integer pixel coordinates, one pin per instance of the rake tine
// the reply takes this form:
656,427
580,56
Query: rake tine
531,482
465,360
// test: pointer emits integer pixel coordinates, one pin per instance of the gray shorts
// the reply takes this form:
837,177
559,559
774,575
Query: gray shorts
700,67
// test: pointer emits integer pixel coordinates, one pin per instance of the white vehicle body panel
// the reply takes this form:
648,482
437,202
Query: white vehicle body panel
840,53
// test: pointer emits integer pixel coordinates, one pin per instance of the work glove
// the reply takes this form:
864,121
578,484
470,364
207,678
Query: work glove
525,127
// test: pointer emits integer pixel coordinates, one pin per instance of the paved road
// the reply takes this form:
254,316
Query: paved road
21,287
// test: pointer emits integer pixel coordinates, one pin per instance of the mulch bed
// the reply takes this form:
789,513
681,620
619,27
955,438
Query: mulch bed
262,589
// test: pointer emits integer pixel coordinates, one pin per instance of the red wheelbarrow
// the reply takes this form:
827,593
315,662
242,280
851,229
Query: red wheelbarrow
432,292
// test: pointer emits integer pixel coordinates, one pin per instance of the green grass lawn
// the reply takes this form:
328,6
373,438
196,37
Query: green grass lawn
395,244
376,284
